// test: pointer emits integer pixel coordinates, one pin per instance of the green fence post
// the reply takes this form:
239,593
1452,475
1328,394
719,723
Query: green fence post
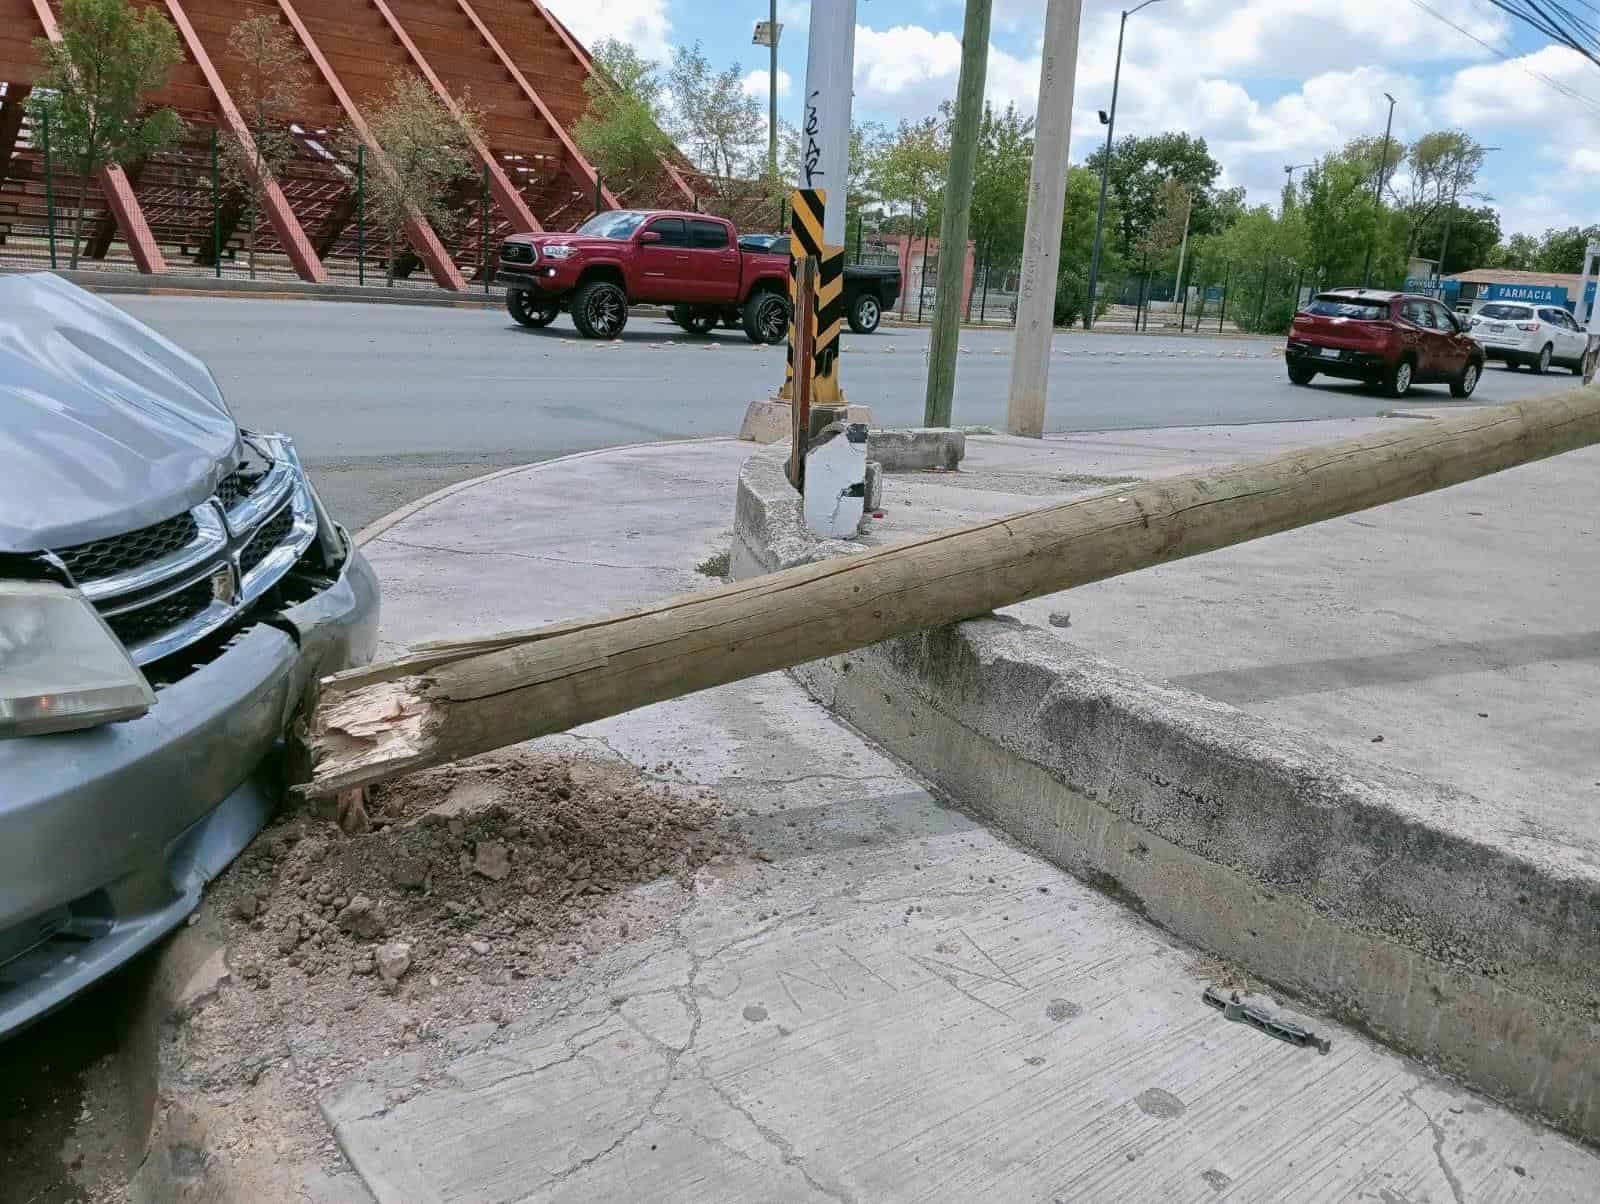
361,215
483,229
1222,314
216,211
49,191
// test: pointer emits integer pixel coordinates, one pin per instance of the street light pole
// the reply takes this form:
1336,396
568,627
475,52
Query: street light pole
772,94
1105,165
1377,194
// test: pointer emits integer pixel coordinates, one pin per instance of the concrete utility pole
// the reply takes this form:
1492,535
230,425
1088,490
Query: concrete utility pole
825,128
1041,247
1377,193
945,336
1183,250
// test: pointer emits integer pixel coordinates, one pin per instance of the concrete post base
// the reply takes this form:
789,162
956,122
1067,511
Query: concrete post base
769,421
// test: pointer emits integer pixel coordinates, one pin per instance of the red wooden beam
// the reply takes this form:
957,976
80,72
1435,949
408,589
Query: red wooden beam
114,184
582,55
505,192
574,155
422,235
12,110
273,202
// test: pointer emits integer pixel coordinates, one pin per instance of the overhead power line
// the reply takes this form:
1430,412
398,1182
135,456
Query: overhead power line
1501,52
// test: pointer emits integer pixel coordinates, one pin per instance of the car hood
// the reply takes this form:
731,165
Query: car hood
105,426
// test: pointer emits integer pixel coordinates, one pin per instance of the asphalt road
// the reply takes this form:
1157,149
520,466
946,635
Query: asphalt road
390,402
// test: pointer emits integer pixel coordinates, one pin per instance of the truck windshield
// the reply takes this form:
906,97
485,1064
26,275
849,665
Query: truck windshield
617,225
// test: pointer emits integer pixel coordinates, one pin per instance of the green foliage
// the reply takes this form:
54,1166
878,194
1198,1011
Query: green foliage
426,150
1077,225
1000,187
1138,169
1474,235
1563,250
723,128
1337,211
910,172
1519,253
272,81
92,87
620,131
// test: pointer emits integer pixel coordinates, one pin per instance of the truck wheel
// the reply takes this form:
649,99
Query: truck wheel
700,322
865,314
679,315
766,317
1301,374
525,311
600,310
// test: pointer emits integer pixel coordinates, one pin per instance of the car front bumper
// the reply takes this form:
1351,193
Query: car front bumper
108,836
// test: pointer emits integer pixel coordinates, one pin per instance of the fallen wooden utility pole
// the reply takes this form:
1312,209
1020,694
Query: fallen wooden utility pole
448,701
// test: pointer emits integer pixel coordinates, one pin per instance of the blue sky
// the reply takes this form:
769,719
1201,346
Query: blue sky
1266,82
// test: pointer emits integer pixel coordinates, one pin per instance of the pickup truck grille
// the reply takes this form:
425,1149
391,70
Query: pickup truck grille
517,252
166,586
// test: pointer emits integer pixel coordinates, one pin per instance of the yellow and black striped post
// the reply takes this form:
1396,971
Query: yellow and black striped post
807,206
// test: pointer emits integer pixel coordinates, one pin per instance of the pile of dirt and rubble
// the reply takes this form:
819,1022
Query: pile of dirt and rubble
478,887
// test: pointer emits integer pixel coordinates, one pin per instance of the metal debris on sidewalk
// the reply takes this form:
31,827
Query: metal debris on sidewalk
1259,1018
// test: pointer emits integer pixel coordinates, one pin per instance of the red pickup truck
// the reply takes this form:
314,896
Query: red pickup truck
689,261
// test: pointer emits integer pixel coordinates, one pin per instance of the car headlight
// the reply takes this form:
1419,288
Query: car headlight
559,251
60,667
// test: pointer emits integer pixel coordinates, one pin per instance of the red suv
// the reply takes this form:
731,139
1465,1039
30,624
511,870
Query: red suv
1390,340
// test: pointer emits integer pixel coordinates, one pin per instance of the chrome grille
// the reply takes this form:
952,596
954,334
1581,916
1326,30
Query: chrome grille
108,557
238,485
168,586
270,534
150,620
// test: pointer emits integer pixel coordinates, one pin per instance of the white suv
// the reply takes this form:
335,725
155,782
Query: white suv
1536,335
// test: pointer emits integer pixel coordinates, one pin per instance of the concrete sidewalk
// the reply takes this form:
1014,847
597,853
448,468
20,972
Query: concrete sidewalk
880,999
1455,635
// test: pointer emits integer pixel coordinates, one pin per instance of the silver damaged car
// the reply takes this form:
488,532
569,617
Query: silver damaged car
169,585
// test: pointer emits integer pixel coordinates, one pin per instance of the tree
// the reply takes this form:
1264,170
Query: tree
92,87
1474,236
911,171
723,126
1173,214
1138,168
620,132
426,149
1517,253
1563,250
1000,186
1440,168
272,83
1337,210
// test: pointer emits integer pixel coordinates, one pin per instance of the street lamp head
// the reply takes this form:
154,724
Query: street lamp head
1105,118
1391,100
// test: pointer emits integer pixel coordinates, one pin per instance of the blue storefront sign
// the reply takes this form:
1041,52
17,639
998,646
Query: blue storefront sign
1534,294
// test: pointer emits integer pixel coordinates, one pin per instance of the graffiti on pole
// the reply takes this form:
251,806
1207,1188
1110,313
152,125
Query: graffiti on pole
811,156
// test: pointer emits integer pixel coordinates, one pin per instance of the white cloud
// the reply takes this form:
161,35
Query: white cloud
1511,93
756,83
907,70
641,23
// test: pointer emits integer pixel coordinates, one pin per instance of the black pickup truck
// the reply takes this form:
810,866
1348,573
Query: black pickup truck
868,292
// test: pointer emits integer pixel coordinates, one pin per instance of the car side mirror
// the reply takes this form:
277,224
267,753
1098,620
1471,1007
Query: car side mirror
650,236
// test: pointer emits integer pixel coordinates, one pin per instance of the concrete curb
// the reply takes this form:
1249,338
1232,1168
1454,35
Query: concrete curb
1384,898
171,285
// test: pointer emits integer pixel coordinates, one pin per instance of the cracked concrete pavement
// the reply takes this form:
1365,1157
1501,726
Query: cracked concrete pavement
886,1001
